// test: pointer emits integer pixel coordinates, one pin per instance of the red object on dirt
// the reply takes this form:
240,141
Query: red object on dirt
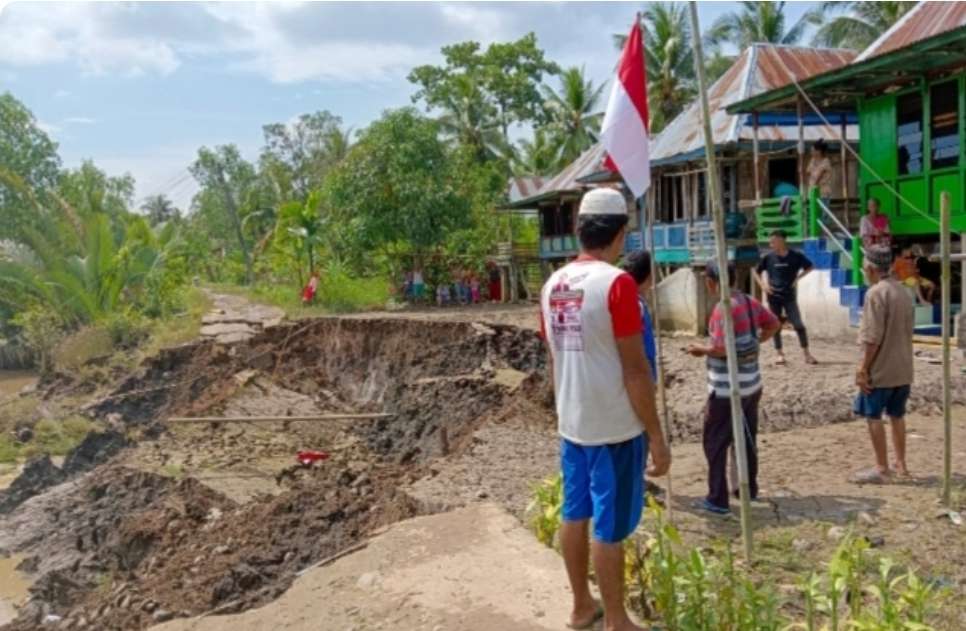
306,458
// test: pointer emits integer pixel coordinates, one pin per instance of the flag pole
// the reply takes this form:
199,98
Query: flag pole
721,252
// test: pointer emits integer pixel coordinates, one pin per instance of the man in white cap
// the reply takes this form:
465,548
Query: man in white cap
607,418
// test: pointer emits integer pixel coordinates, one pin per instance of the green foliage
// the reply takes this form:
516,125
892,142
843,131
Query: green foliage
574,115
755,22
690,589
298,155
90,191
861,25
41,329
544,509
9,452
481,93
82,347
401,190
300,231
58,437
341,292
160,209
29,163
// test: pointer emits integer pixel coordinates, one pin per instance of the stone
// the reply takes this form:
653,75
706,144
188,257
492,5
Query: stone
866,518
368,580
162,615
221,550
482,495
836,533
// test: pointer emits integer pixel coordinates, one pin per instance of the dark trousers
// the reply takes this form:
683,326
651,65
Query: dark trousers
785,309
718,438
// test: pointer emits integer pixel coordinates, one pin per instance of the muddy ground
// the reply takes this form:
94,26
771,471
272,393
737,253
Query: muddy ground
195,518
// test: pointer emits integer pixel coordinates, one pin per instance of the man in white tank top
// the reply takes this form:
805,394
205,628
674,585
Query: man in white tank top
607,418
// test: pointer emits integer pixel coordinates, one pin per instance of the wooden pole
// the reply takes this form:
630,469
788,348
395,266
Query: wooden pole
801,147
944,203
721,246
275,419
844,159
756,156
656,319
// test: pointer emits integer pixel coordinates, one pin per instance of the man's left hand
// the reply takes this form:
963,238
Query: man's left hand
862,381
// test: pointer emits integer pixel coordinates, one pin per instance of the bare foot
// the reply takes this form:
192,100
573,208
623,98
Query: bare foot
809,359
781,360
901,470
585,616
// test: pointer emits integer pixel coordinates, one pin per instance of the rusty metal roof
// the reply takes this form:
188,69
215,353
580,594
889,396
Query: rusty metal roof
566,181
761,67
524,187
925,20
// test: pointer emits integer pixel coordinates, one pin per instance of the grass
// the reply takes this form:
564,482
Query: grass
338,293
178,329
57,437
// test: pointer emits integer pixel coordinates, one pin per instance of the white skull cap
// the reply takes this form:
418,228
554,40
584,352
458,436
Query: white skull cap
603,201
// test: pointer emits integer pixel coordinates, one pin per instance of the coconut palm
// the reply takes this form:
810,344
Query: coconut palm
755,22
670,64
159,209
859,27
468,119
574,114
537,156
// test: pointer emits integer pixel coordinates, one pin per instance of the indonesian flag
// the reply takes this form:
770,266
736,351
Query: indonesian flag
624,130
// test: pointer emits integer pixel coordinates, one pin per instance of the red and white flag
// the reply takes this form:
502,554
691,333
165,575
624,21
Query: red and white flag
624,130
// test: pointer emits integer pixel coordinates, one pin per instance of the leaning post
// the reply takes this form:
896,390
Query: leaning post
814,212
945,251
721,247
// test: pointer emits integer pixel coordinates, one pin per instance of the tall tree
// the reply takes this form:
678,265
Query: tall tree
30,165
574,114
862,23
227,180
667,55
538,156
756,22
401,190
90,190
498,86
159,209
303,149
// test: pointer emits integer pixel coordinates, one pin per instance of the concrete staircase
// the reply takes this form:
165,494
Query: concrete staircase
826,256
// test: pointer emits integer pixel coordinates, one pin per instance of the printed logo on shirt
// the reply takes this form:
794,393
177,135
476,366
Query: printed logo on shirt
566,324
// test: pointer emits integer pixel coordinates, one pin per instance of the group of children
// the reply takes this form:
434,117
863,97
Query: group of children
463,288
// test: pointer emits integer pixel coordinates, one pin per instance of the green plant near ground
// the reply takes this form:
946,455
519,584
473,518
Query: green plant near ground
56,438
544,509
693,589
9,451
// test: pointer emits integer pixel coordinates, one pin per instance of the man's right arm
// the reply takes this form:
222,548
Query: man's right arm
640,390
761,277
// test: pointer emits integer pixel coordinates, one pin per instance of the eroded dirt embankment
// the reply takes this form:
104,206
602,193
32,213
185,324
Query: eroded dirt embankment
124,546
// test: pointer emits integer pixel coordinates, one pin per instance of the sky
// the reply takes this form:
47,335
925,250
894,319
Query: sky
139,86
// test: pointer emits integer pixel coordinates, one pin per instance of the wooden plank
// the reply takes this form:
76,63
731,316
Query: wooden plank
275,419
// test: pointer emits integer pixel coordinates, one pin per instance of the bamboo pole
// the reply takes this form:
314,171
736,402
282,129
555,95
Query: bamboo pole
737,416
756,156
944,202
656,320
800,147
275,419
844,169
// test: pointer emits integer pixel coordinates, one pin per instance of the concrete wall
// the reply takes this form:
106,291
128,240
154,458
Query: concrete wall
821,311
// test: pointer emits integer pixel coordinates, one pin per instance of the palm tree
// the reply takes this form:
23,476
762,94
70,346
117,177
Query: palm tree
301,226
537,156
863,23
469,119
670,64
755,22
573,113
337,144
159,209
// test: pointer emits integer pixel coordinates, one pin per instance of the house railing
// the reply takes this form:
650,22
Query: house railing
821,221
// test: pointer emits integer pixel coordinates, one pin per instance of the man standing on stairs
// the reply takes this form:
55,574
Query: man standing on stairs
607,417
782,269
885,372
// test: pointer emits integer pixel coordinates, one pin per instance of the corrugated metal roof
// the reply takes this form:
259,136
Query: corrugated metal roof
524,187
761,67
925,20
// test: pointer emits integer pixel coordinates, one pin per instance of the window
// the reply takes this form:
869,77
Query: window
548,221
944,121
702,210
909,133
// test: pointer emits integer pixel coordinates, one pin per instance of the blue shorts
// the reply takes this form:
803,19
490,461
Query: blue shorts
892,401
606,483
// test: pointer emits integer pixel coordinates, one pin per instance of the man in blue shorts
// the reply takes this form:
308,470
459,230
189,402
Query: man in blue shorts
884,375
607,418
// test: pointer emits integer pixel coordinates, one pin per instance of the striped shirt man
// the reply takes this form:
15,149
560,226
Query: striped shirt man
749,317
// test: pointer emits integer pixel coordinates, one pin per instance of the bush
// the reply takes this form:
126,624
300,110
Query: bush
58,437
544,509
82,347
341,293
41,331
8,449
126,329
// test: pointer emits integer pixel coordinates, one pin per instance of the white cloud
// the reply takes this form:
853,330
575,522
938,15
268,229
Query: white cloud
61,94
34,34
80,120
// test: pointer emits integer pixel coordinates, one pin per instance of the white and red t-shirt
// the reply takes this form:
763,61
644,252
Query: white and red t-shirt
584,308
